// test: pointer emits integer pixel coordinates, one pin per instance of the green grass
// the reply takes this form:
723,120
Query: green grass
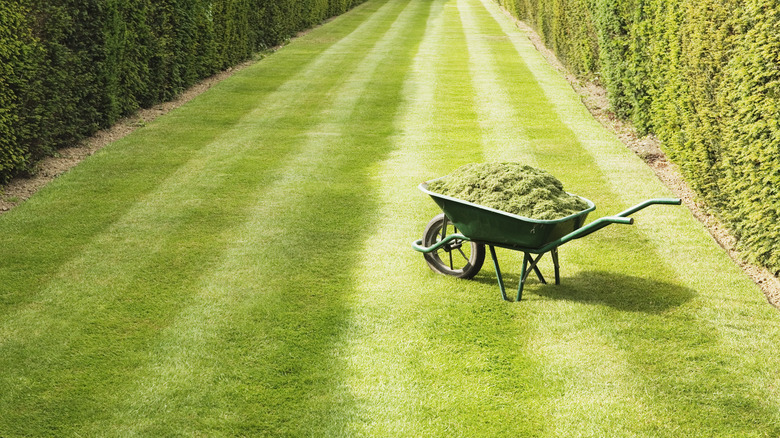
242,265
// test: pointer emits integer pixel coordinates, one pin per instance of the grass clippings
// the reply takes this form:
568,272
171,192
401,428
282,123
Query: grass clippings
511,187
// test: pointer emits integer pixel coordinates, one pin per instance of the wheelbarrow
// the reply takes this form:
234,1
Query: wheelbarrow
454,241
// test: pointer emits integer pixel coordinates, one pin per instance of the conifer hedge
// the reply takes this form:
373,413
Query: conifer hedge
702,75
71,67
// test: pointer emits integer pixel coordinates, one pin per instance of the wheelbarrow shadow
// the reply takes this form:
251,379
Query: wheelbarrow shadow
619,291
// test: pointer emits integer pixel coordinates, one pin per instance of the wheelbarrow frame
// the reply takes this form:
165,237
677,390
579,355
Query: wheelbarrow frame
533,237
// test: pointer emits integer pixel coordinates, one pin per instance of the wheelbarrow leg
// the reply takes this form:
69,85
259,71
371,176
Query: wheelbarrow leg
498,272
529,264
523,275
535,265
554,254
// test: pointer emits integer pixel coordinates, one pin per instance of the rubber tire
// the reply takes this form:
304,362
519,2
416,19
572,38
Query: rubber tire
470,268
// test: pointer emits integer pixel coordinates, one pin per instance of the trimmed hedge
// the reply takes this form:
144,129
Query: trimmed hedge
702,75
749,160
71,67
17,48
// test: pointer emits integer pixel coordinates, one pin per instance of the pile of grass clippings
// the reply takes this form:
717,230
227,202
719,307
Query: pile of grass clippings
511,187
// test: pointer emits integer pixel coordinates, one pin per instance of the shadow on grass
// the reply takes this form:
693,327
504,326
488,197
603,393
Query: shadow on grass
619,291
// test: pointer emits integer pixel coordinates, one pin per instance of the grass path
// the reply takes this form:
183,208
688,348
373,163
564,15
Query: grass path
241,266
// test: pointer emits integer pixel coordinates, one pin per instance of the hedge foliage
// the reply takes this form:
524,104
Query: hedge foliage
71,67
17,46
703,76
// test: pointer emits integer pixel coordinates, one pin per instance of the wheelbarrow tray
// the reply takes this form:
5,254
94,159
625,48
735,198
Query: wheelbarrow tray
489,225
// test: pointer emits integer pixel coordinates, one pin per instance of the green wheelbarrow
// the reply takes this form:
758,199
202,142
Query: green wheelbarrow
454,241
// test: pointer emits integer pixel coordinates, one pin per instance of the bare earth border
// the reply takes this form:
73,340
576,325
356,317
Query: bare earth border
593,96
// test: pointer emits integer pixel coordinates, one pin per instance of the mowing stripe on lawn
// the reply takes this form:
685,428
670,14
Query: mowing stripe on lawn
504,139
381,386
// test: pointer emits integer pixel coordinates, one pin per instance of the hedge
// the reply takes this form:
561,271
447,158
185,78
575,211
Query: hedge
704,77
17,47
71,67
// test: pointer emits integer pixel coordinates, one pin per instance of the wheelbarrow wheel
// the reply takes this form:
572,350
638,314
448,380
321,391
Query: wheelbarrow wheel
458,258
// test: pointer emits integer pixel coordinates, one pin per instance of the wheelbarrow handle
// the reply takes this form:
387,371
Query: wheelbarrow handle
620,218
418,245
649,202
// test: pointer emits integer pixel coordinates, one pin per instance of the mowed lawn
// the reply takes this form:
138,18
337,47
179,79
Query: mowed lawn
242,266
